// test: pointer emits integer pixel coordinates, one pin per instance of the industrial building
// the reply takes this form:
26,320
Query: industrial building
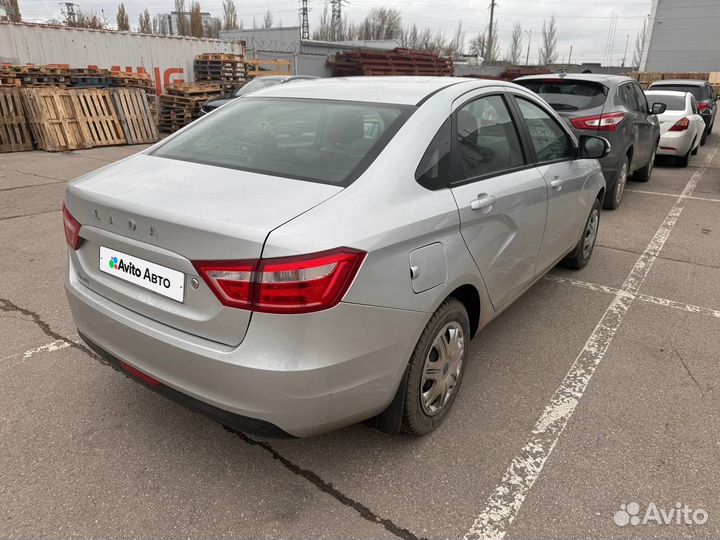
682,36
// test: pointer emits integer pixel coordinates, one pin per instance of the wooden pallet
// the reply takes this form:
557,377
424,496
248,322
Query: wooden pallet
97,111
135,115
261,68
14,132
184,89
224,57
54,120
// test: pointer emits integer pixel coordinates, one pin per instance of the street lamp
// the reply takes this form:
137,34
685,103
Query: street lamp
527,58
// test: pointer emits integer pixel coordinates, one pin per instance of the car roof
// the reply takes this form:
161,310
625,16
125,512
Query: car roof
685,82
668,93
391,90
601,78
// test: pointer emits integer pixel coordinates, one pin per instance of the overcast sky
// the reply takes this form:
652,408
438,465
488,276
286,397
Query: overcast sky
582,24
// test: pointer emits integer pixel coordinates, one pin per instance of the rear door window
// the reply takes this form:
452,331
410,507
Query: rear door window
568,95
628,97
434,169
640,98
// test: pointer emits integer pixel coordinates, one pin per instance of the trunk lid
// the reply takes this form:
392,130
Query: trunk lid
169,213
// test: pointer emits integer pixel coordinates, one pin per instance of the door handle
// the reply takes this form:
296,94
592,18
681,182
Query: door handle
556,184
483,202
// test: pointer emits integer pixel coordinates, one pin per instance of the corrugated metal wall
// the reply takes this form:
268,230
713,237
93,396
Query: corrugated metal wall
683,36
166,59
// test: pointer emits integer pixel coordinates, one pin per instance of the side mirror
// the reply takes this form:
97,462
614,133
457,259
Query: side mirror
593,147
658,108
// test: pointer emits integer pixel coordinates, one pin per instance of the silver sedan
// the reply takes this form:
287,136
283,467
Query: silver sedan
322,253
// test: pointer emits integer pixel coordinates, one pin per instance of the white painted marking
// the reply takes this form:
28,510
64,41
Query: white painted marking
671,195
665,302
48,347
506,500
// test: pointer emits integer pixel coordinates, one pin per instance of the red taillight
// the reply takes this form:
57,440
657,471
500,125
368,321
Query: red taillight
285,285
681,125
600,122
72,229
703,106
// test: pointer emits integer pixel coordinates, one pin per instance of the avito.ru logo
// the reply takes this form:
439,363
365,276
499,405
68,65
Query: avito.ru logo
680,514
113,262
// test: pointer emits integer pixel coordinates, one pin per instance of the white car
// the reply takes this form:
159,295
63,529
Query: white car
681,126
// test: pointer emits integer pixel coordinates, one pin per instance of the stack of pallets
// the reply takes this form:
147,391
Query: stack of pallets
395,62
8,78
89,78
181,103
263,68
14,132
41,76
227,70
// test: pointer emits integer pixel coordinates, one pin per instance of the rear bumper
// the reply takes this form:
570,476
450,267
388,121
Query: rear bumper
296,375
674,144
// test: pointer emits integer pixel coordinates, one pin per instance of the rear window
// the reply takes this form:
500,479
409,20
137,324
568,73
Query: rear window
673,103
331,142
567,96
696,91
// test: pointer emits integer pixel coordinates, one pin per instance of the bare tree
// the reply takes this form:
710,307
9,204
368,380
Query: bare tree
183,25
639,45
548,53
82,19
15,17
268,19
381,23
230,20
196,22
516,42
145,26
123,21
492,50
160,25
456,44
477,45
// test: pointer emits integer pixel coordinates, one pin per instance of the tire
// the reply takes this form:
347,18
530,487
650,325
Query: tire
696,150
424,408
644,174
704,137
582,253
683,161
613,197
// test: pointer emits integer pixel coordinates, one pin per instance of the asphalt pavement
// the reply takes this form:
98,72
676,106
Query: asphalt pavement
589,408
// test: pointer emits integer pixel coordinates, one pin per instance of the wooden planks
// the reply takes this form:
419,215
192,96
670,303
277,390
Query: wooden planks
14,132
263,68
135,115
54,119
96,110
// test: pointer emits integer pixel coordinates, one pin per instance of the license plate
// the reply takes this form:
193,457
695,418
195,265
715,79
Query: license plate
145,274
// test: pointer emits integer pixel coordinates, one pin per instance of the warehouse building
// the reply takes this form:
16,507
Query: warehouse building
682,36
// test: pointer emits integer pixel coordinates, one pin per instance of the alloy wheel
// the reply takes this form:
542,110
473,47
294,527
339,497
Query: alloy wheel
591,231
621,181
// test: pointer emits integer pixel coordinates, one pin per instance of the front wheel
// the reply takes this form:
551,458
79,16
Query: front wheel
583,251
436,368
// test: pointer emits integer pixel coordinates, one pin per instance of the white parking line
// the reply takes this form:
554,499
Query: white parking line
665,302
507,498
48,347
671,195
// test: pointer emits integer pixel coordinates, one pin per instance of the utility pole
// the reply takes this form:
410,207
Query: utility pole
304,24
336,18
489,45
627,42
570,58
527,58
70,13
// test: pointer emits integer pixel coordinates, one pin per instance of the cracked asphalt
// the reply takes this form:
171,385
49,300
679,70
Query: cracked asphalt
86,452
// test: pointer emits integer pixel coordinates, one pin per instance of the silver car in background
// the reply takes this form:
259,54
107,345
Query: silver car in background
322,253
681,127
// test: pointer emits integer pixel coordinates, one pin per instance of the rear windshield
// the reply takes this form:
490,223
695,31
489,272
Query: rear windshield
694,90
325,141
255,84
673,103
565,95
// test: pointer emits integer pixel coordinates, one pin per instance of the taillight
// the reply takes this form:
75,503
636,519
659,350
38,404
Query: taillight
72,229
284,285
600,122
703,106
681,125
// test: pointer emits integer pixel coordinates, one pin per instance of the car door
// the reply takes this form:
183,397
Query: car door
501,197
631,128
648,126
554,151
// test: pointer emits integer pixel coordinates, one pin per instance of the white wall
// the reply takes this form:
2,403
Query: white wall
166,58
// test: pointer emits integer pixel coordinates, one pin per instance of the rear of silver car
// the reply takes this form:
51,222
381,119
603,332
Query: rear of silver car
167,281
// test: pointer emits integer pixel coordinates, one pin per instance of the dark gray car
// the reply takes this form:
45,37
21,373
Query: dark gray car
252,86
613,107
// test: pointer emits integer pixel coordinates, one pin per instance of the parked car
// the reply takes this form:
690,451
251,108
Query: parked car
314,255
703,93
252,86
681,126
614,107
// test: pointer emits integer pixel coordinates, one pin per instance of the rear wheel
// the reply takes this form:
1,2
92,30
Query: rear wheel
683,161
583,251
696,150
704,137
615,193
436,368
644,174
